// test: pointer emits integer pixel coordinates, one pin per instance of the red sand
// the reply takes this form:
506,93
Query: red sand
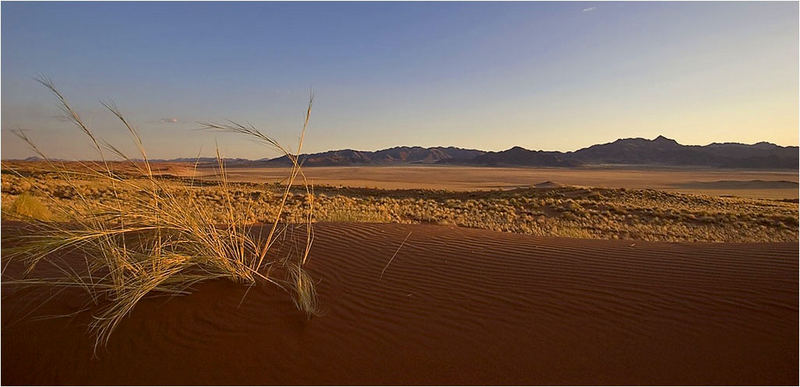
456,306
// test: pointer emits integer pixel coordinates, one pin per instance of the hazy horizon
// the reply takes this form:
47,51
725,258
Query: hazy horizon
488,76
137,157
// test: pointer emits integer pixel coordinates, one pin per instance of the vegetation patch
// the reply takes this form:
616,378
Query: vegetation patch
582,212
28,207
137,233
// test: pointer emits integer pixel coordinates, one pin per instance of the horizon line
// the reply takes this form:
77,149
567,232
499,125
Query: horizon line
422,147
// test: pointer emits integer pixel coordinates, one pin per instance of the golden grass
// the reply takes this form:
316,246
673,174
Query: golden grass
582,212
28,207
160,240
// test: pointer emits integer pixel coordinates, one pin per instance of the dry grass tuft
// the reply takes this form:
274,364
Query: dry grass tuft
28,207
159,241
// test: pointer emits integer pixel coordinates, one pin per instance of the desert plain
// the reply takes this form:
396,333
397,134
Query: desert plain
443,275
761,184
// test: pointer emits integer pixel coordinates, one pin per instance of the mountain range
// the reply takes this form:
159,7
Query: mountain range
660,151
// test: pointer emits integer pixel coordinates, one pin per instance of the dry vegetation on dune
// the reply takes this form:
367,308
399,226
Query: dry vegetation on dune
559,211
139,233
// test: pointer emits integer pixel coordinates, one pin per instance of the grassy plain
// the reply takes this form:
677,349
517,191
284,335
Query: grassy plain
539,209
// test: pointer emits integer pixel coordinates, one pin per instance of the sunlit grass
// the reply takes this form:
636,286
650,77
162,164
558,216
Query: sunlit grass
582,212
28,207
158,240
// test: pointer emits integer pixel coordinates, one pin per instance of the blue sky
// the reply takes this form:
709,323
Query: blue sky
553,76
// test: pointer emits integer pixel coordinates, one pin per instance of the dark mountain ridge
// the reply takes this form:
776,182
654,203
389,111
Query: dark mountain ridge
668,152
521,156
660,151
391,156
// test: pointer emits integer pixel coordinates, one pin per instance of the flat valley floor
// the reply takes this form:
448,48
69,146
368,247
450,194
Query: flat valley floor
742,183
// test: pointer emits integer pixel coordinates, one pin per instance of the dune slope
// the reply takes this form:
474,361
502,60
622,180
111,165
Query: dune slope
455,306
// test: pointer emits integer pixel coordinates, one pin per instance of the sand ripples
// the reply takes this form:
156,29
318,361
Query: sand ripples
468,306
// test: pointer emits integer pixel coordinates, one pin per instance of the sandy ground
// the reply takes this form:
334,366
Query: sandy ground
743,183
455,306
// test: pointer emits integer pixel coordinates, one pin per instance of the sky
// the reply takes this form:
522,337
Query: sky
490,76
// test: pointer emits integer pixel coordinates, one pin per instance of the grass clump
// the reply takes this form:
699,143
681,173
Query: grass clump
158,240
26,206
352,215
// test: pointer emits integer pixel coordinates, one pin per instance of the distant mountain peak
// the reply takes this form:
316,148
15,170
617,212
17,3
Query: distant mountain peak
661,140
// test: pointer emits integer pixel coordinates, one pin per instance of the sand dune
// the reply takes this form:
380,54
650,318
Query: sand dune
455,306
